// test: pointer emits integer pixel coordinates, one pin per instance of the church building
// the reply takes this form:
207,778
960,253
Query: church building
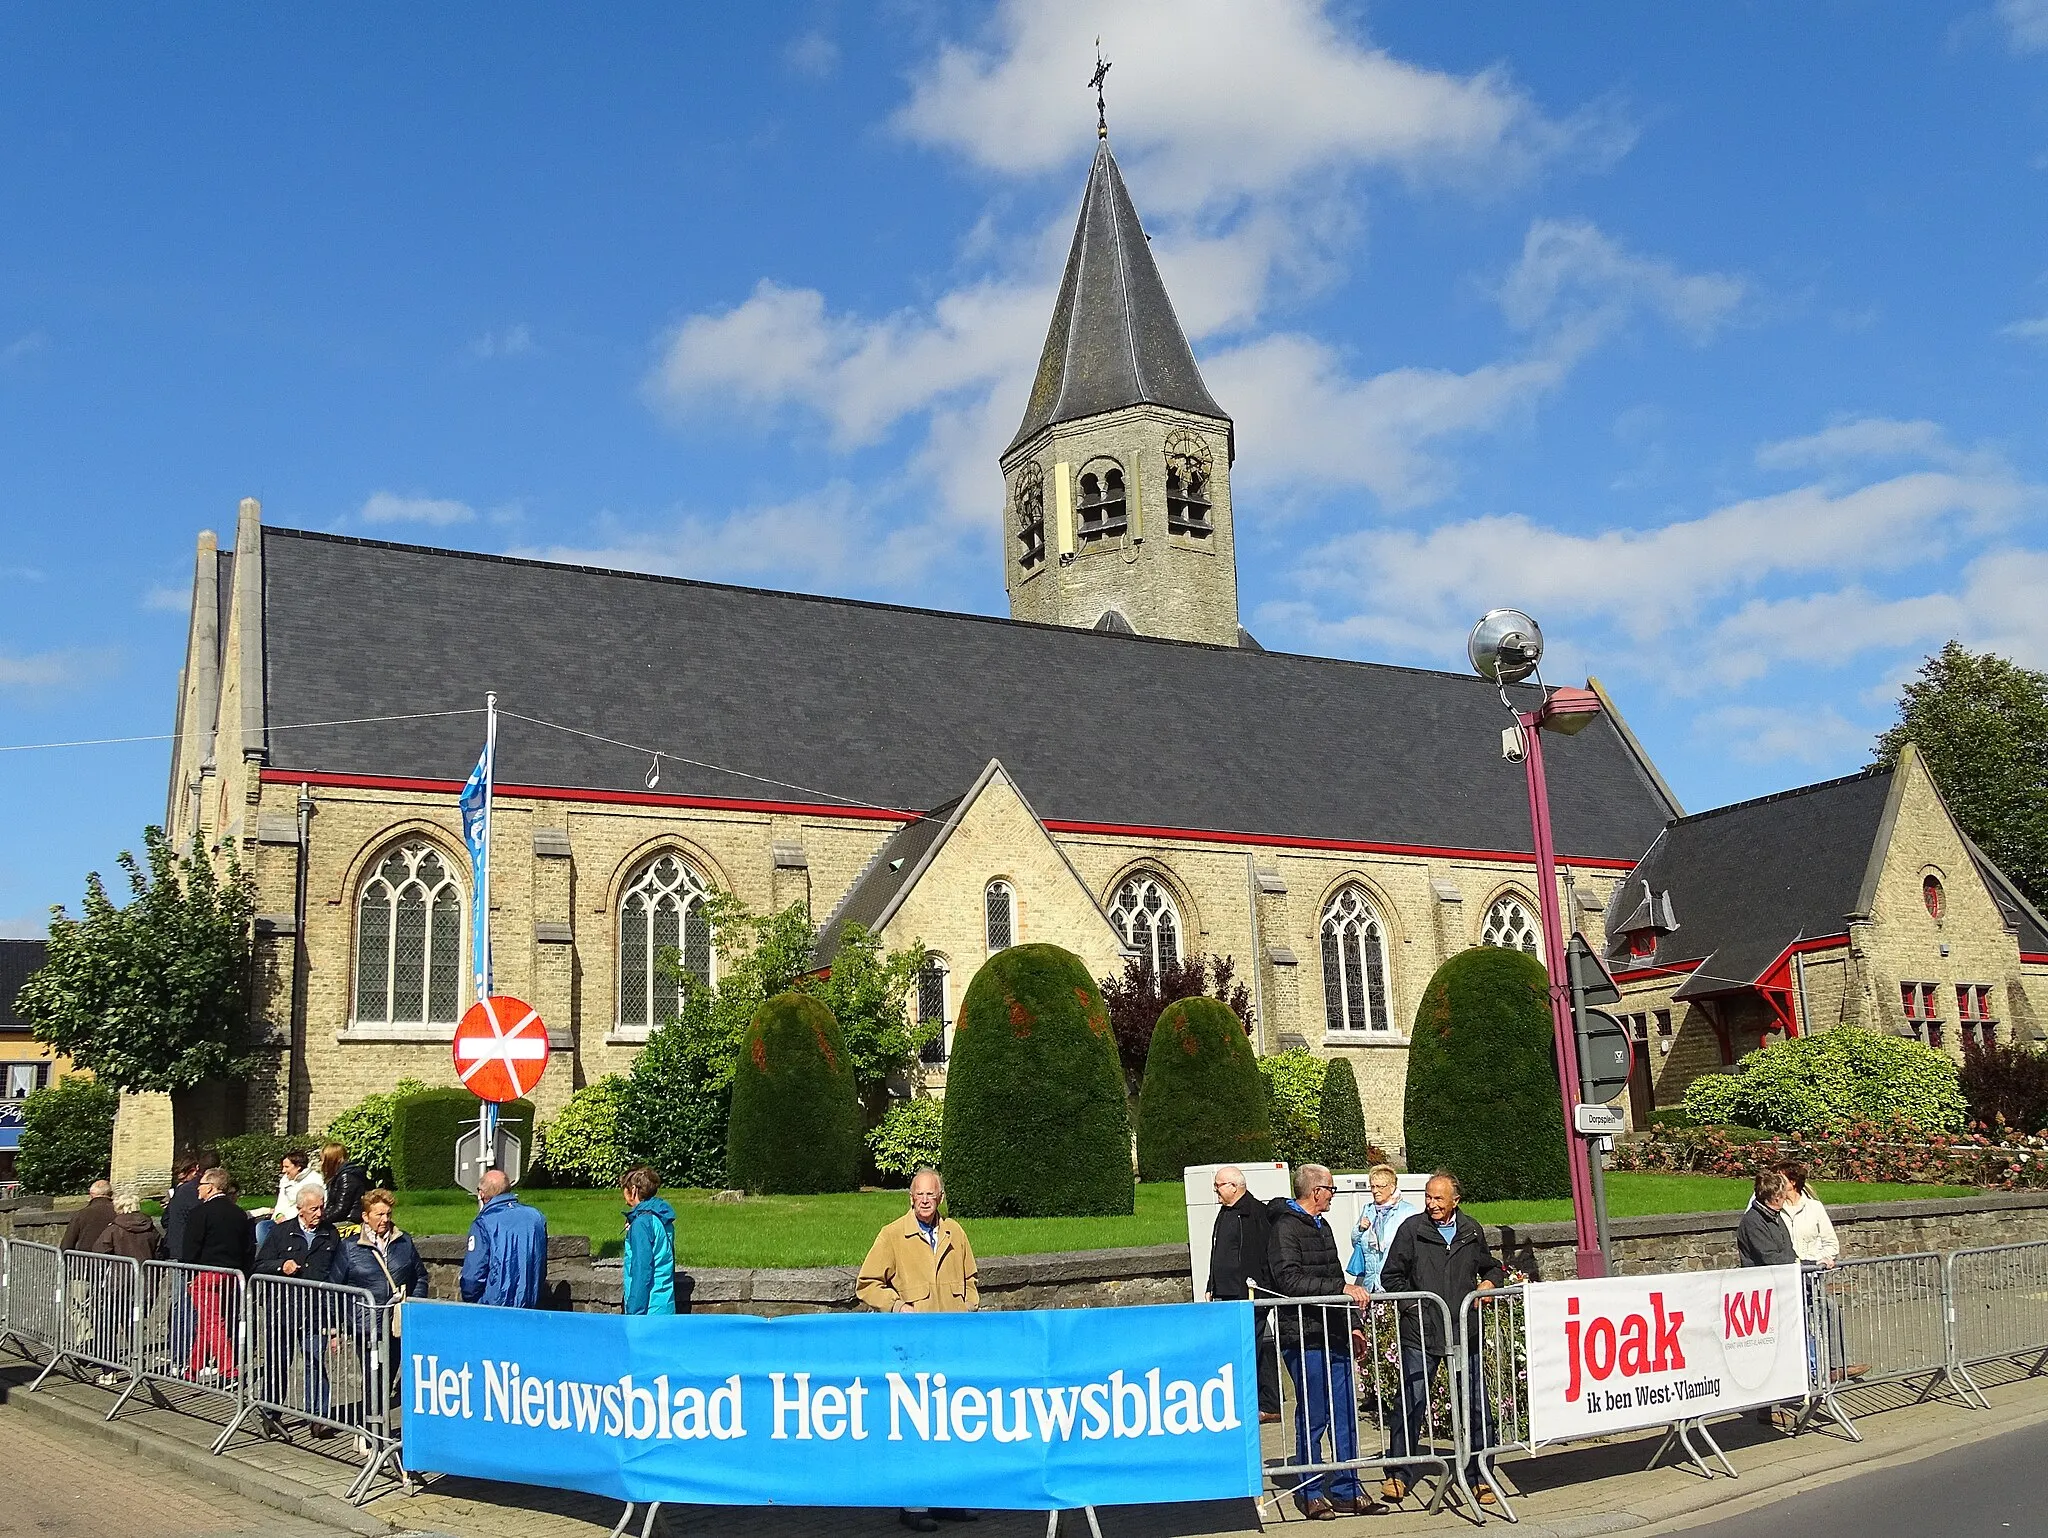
1118,767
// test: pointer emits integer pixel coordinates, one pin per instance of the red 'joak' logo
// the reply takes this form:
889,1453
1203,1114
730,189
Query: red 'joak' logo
1601,1349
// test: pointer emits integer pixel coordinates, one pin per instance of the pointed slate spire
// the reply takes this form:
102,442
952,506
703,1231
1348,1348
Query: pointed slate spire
1114,339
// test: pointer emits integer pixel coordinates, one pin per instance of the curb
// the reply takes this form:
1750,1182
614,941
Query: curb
267,1489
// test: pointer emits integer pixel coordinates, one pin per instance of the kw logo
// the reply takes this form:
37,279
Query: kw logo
1746,1315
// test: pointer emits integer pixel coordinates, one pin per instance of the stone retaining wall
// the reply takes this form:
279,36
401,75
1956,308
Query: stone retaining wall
1159,1273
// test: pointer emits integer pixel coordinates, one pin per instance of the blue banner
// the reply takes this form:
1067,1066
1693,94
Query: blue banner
1029,1410
475,802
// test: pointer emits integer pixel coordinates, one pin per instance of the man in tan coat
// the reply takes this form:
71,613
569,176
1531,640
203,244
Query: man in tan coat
921,1263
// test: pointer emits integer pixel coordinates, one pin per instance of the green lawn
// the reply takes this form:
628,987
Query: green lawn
836,1230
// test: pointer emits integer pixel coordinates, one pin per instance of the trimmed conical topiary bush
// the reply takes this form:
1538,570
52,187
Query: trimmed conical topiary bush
1482,1079
1036,1123
796,1120
1343,1144
1202,1101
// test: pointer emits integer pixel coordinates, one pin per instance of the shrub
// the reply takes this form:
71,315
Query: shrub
1482,1081
251,1158
1822,1082
908,1136
585,1144
2008,1083
796,1118
1294,1104
67,1136
1138,998
1036,1124
1202,1101
425,1126
1341,1139
364,1129
1895,1151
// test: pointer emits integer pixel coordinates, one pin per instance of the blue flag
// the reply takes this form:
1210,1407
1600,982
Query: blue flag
476,815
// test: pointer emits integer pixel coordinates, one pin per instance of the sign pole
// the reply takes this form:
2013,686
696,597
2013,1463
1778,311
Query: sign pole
1597,1176
487,1125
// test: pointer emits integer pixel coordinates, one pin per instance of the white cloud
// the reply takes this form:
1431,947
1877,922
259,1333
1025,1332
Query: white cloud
389,507
22,346
1246,100
813,55
51,669
1417,591
2026,24
1860,438
25,926
1772,734
2033,330
511,342
1572,274
162,598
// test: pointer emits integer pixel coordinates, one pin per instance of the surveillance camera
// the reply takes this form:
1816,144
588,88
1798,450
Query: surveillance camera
1512,747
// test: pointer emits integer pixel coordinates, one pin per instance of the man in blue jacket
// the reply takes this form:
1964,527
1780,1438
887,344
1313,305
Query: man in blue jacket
507,1261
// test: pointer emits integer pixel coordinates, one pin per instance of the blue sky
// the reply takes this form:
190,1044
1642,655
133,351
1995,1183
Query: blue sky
1716,337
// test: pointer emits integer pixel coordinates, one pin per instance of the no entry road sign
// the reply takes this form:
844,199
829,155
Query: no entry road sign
501,1048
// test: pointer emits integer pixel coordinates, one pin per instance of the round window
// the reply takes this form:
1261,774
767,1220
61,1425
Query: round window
1931,894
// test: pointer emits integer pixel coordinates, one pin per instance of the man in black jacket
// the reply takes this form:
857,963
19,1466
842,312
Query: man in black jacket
1315,1341
217,1233
183,1198
1237,1269
1763,1238
1443,1252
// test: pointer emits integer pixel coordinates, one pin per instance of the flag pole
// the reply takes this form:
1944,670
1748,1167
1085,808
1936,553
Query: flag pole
487,1124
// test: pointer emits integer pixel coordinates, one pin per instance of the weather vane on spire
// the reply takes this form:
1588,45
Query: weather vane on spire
1101,74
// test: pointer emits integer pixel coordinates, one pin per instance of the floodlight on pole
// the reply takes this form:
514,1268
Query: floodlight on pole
1506,647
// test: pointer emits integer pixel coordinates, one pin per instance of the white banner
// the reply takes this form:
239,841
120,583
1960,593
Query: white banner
1633,1351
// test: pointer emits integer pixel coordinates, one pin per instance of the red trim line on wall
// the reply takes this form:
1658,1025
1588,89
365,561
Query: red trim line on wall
877,814
2034,958
1676,969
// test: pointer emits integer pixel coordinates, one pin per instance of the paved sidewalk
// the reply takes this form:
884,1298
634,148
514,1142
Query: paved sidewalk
1577,1492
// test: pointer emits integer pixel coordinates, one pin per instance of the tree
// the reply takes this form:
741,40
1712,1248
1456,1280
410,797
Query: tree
1203,1101
1981,724
796,1121
154,995
1036,1123
67,1136
1482,1081
677,1098
1341,1132
1138,998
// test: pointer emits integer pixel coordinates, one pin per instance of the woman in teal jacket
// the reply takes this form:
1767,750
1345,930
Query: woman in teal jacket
650,1273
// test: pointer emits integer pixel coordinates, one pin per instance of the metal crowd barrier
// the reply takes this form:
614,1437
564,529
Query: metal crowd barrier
1358,1389
1882,1320
319,1353
1997,1308
191,1333
101,1312
35,1296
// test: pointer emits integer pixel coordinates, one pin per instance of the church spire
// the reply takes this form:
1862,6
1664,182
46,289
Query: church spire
1114,339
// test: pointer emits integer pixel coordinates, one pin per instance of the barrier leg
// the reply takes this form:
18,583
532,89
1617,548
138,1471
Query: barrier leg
1700,1430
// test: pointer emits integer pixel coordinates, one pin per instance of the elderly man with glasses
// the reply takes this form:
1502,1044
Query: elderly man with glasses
1238,1269
1315,1341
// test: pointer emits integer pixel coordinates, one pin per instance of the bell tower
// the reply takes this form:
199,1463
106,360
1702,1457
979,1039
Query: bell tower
1116,487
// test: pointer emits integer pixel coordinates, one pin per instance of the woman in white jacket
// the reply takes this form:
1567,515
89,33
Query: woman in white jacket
1814,1242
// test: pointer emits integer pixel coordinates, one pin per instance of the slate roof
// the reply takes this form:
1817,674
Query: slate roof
895,707
1114,339
1748,880
18,958
883,878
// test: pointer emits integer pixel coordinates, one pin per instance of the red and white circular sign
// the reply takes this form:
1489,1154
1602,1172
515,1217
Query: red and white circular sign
501,1048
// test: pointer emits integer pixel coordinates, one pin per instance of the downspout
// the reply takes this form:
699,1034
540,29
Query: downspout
296,1051
1251,879
1799,994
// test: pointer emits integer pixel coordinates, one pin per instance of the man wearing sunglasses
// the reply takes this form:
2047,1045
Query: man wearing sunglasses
1315,1343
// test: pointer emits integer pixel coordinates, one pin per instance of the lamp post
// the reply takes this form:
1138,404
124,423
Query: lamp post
1505,648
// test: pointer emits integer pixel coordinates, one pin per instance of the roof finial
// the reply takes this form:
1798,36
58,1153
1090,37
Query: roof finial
1101,74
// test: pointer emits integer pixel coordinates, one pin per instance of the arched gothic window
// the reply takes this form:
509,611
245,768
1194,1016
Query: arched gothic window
1001,909
1188,467
1144,914
663,909
1354,964
1028,516
1511,926
931,1005
1100,512
409,957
